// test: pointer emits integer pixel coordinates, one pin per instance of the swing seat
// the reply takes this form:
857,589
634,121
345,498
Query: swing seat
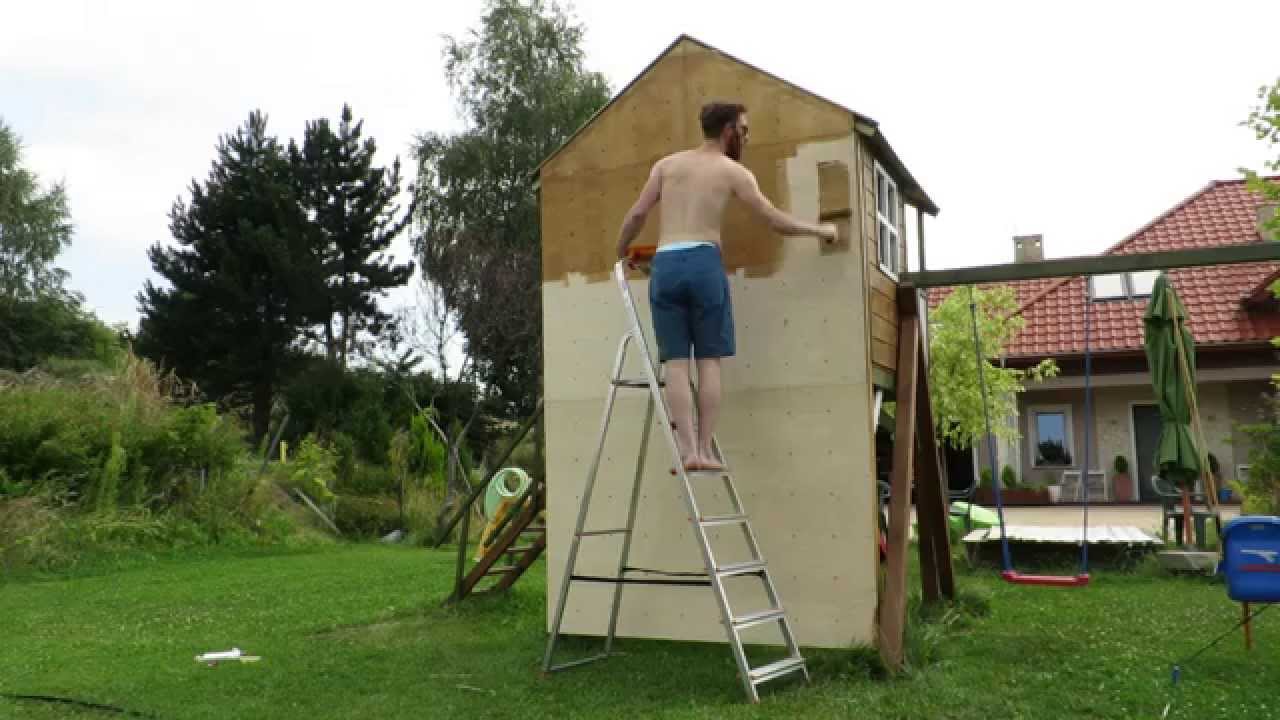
1016,578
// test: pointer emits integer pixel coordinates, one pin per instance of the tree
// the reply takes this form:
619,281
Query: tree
953,367
35,226
1264,121
522,89
244,282
350,205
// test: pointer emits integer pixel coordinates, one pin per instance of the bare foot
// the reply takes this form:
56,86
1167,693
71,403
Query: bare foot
708,461
692,463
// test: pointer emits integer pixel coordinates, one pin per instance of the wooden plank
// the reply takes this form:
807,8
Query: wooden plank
893,601
883,305
524,563
882,354
880,282
882,329
937,575
1096,265
498,549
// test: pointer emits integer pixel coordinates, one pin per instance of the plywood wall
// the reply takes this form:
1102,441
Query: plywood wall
796,419
588,187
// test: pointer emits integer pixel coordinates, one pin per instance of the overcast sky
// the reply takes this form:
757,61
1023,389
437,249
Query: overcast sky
1081,120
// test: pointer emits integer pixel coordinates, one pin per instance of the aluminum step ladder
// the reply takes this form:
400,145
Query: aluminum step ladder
716,573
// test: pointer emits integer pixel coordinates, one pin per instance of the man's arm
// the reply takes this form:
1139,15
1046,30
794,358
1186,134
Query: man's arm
634,221
747,190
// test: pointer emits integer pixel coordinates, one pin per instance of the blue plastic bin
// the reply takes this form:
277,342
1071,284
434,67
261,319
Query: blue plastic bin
1251,558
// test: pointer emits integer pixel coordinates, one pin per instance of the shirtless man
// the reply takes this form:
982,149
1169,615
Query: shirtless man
688,290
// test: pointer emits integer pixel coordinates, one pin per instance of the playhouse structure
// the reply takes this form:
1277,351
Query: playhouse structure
818,348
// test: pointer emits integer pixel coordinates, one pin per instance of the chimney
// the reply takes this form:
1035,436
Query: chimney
1266,213
1028,248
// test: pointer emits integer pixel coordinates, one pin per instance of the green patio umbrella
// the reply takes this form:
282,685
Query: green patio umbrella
1172,359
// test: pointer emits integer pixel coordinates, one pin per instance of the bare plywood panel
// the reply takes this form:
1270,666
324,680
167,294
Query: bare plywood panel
795,424
588,186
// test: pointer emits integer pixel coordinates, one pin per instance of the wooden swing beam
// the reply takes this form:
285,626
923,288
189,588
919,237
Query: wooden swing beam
1095,265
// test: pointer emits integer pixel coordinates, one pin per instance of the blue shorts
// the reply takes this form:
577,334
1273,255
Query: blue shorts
689,299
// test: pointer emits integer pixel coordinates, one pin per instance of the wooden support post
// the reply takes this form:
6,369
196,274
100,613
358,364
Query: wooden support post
937,578
1248,627
893,602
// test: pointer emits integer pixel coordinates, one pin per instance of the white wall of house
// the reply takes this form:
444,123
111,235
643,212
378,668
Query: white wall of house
1223,406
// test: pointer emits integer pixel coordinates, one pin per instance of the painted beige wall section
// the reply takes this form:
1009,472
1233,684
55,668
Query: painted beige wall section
795,424
1222,406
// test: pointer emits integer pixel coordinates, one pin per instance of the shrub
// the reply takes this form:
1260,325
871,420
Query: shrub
366,516
1261,487
1008,478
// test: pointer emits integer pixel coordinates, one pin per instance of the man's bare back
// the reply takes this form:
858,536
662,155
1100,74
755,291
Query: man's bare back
689,295
693,187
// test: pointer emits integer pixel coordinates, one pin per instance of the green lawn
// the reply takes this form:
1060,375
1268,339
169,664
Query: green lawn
357,632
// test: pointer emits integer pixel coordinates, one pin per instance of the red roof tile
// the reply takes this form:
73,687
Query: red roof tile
1224,213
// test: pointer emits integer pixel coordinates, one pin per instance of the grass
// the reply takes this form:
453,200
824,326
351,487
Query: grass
356,631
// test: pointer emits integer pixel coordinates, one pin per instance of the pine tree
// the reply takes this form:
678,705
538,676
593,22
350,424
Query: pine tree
351,207
244,281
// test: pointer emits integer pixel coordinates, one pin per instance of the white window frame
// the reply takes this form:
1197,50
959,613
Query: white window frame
1126,280
1033,434
895,235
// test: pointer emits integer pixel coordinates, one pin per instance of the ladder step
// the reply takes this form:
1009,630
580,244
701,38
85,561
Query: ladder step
502,570
707,474
520,549
765,673
613,531
639,383
534,528
742,568
717,520
759,618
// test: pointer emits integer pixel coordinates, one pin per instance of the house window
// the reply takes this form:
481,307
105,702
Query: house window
1051,444
888,239
1123,286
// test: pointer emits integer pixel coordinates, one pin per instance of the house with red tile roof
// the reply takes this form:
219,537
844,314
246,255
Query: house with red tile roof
1233,316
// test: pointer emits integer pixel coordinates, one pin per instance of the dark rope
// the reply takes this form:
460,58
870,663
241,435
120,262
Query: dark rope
77,703
639,581
671,573
1177,667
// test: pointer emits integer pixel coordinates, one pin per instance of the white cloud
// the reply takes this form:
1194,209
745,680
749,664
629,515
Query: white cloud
1081,121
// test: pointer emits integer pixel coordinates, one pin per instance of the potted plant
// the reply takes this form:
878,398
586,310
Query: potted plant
1008,478
1121,481
985,495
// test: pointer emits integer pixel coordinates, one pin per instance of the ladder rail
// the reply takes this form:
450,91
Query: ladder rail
664,416
592,472
657,406
625,555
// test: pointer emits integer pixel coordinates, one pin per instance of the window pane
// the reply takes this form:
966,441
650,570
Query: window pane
1051,439
892,210
884,242
894,256
1143,282
881,192
1108,286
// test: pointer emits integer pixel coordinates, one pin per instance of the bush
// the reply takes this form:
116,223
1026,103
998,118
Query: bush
1261,488
1008,478
366,517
